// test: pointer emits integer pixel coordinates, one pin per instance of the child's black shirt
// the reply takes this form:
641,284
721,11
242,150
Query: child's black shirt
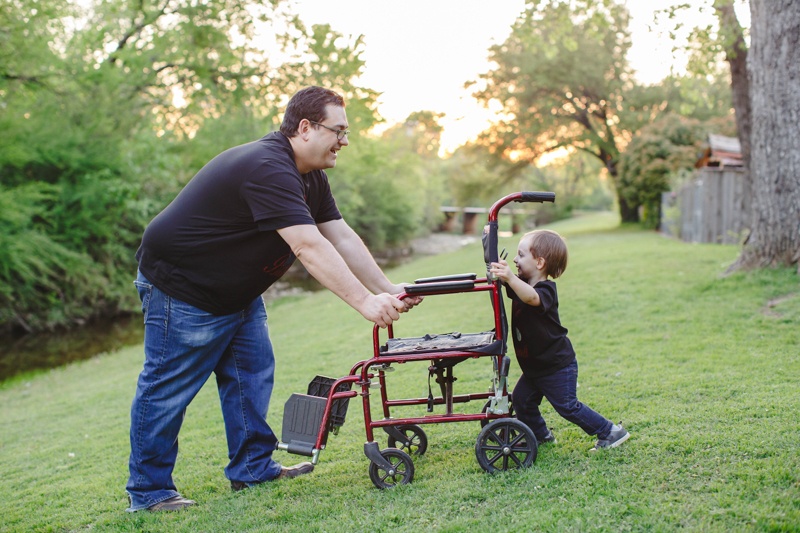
540,341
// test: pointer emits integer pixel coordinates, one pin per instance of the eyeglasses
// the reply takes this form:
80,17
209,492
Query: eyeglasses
340,134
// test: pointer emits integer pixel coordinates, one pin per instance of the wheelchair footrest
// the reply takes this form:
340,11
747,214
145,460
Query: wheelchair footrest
302,416
303,413
321,386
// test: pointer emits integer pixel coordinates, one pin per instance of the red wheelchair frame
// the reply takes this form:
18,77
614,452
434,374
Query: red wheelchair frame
504,442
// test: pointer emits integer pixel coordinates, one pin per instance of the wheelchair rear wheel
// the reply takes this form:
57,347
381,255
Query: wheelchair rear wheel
505,444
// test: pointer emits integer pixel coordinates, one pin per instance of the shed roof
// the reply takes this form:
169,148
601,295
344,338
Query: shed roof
722,151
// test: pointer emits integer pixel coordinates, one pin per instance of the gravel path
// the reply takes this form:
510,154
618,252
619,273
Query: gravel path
437,243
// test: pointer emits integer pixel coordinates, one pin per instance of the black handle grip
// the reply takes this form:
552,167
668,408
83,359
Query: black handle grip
441,287
537,197
451,277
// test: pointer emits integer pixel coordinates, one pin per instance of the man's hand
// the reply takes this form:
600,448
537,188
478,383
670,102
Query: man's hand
382,309
409,301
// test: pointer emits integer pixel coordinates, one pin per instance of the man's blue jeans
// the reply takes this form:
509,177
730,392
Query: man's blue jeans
183,345
560,389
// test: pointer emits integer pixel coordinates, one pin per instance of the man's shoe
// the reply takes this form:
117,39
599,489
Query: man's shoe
286,473
171,504
546,439
236,486
296,470
615,437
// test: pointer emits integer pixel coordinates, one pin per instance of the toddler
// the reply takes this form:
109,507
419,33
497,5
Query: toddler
544,352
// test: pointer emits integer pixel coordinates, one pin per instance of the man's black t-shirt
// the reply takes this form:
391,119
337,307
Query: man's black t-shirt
216,246
540,341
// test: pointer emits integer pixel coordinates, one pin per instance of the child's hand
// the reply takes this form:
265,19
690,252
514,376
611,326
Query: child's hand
501,270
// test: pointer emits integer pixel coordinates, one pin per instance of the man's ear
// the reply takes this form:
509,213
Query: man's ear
304,128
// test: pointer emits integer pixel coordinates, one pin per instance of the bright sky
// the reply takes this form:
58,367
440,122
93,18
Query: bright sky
420,53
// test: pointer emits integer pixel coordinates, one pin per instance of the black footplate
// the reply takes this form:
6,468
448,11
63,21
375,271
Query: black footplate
302,415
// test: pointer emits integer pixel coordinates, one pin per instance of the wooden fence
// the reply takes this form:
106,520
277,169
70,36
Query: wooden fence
713,207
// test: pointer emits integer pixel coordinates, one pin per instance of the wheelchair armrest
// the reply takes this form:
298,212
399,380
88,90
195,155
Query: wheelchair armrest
451,277
440,287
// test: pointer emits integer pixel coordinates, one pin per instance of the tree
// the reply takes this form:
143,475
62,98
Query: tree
472,176
564,82
389,187
423,130
313,56
735,47
655,154
708,46
775,141
100,103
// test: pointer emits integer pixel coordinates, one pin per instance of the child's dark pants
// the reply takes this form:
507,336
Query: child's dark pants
560,389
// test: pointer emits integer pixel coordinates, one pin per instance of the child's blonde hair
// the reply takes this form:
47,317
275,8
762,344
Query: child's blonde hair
550,246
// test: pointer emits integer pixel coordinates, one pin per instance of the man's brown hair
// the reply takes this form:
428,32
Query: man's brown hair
308,103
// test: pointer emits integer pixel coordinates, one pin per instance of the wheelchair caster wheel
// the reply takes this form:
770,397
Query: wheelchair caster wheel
416,442
505,444
400,473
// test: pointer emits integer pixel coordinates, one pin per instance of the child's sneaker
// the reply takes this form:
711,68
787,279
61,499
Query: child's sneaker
615,437
549,438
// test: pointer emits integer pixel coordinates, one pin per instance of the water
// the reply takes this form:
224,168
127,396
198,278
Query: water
49,350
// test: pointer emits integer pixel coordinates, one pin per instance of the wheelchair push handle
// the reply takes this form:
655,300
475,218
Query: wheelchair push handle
525,196
490,237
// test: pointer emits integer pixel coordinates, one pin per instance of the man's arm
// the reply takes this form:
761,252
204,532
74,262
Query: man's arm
357,256
322,261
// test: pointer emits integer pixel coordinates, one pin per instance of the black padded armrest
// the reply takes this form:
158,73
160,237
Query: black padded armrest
444,286
451,277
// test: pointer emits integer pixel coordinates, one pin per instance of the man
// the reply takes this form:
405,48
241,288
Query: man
204,262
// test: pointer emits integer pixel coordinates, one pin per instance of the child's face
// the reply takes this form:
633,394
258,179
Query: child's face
527,265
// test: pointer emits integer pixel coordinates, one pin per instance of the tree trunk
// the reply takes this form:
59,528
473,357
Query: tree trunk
775,142
736,56
627,212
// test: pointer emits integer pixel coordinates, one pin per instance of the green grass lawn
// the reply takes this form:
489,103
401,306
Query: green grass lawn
703,370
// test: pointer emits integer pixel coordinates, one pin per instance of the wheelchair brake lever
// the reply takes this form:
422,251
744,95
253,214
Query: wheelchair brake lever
503,255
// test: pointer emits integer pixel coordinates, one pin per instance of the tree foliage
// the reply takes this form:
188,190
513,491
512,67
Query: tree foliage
386,191
695,105
563,81
475,177
709,48
108,108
